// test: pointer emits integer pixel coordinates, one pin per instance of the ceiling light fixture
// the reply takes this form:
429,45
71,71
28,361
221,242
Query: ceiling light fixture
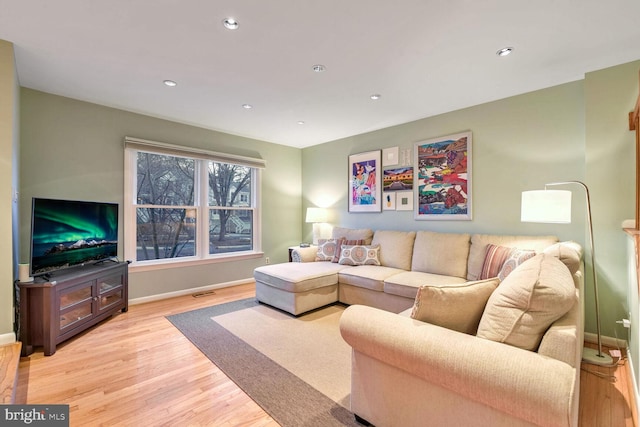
230,24
247,106
170,83
375,96
504,51
300,122
318,68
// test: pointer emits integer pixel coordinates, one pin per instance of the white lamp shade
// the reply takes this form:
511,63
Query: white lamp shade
316,215
547,206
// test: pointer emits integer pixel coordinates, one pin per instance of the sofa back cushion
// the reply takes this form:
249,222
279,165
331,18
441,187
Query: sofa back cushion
365,234
441,253
479,243
527,302
396,248
570,253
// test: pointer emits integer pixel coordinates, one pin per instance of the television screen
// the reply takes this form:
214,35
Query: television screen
66,233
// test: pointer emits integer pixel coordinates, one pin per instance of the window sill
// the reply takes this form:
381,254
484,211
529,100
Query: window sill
135,268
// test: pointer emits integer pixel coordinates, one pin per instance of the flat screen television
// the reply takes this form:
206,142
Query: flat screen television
67,233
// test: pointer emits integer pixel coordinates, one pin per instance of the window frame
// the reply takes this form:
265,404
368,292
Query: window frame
201,204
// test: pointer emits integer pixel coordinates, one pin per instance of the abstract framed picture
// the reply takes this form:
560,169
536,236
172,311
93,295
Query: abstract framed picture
365,183
389,201
442,178
404,200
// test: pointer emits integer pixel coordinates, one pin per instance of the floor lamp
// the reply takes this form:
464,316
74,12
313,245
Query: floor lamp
554,206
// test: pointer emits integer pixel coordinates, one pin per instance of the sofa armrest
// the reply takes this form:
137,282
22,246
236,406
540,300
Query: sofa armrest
521,383
304,254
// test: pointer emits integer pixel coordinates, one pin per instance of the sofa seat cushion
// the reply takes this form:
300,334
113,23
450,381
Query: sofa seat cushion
531,298
406,284
298,276
367,276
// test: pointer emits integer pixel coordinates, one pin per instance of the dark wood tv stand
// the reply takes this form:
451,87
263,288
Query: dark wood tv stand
68,302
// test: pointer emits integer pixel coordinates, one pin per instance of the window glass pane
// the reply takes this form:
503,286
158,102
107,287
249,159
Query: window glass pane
230,230
229,185
165,180
165,233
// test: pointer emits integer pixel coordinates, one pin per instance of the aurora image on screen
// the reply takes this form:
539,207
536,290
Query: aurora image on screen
66,233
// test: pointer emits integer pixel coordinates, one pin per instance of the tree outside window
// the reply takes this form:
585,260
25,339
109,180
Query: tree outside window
170,217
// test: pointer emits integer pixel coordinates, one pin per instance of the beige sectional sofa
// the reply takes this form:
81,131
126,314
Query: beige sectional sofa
473,358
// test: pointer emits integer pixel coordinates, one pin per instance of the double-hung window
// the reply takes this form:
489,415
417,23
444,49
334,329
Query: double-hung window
185,204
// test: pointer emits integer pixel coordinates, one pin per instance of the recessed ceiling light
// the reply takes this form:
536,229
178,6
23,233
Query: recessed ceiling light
375,96
230,24
318,68
170,83
247,106
504,51
300,122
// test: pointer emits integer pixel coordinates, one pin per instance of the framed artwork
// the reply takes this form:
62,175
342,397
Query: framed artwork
398,179
365,183
388,201
390,156
442,177
404,200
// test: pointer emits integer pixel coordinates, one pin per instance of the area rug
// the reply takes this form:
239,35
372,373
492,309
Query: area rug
296,369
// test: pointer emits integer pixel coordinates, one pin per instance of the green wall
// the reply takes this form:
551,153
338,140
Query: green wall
73,149
9,186
610,95
574,131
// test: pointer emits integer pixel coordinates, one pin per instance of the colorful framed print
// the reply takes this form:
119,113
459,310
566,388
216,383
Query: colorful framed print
365,183
398,179
442,178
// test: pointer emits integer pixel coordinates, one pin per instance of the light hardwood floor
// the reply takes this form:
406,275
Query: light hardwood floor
136,369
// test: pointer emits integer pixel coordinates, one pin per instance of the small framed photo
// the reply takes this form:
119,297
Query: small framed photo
390,156
389,201
404,200
365,182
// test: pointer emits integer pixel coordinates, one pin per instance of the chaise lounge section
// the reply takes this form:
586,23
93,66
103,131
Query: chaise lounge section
406,261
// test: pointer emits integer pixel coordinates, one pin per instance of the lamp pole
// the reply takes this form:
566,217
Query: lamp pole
588,354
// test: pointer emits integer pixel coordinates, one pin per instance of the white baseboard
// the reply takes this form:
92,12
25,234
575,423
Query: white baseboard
633,380
182,292
608,341
9,338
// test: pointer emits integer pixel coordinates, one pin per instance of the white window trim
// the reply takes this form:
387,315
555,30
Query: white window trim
132,147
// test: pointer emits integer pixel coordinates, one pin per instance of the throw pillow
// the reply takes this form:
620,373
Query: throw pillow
518,256
456,307
342,242
531,298
497,256
360,255
326,249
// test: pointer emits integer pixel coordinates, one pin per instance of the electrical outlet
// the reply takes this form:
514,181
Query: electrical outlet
266,260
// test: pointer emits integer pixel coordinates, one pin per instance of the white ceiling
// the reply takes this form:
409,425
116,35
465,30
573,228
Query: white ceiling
425,57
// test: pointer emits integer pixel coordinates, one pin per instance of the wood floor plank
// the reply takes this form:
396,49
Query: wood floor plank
137,369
